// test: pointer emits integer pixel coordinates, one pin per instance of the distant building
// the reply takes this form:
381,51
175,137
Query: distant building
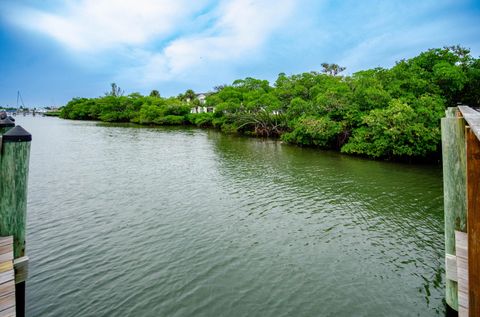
201,108
276,112
201,97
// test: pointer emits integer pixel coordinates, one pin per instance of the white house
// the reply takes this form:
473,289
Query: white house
201,108
201,97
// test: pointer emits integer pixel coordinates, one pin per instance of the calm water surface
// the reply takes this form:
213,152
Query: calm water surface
126,221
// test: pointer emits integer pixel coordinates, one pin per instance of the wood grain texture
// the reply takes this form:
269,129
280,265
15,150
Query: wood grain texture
7,302
21,269
7,276
454,184
461,241
6,248
6,240
473,119
6,256
473,214
6,266
7,288
451,267
7,282
10,312
14,168
14,161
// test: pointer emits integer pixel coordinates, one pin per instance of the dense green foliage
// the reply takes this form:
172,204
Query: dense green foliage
52,114
380,113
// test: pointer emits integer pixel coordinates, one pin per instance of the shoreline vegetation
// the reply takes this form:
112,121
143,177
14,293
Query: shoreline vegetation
379,113
52,113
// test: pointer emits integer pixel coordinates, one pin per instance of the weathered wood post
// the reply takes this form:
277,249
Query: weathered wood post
14,166
5,124
455,199
473,210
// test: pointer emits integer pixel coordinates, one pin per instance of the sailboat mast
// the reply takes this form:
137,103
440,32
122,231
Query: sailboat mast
19,97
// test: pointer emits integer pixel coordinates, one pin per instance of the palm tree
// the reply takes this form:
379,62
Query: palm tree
115,91
155,93
189,95
332,69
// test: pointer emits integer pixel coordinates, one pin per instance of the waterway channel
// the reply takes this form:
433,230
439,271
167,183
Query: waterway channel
143,221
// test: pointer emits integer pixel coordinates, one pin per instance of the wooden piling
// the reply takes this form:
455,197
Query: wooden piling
14,167
5,125
473,209
454,184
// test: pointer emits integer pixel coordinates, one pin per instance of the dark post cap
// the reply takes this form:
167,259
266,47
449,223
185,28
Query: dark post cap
17,134
6,122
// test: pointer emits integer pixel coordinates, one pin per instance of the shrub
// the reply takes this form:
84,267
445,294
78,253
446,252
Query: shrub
313,131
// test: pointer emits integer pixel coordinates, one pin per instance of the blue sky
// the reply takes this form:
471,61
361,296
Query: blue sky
55,50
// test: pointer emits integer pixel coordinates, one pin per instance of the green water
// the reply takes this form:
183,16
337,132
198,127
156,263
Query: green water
126,221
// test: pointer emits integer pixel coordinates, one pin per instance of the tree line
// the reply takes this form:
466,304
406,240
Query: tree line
380,113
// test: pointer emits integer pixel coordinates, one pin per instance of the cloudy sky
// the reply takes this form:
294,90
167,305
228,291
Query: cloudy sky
54,50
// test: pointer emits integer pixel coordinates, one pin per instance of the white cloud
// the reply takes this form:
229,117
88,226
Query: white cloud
96,25
385,46
240,30
158,40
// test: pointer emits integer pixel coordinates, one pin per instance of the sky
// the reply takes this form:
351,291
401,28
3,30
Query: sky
52,51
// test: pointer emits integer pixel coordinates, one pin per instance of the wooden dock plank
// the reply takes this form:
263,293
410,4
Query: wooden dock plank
6,248
473,119
10,312
7,288
451,267
462,283
6,256
6,241
6,302
473,213
7,278
461,246
6,266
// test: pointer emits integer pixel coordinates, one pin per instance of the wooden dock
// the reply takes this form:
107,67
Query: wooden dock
7,278
461,172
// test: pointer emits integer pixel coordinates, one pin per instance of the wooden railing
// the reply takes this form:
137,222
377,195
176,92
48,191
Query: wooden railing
461,176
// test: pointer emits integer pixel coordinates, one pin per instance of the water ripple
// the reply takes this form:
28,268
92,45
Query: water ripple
127,221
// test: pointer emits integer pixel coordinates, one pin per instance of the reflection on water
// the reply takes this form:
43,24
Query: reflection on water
127,221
